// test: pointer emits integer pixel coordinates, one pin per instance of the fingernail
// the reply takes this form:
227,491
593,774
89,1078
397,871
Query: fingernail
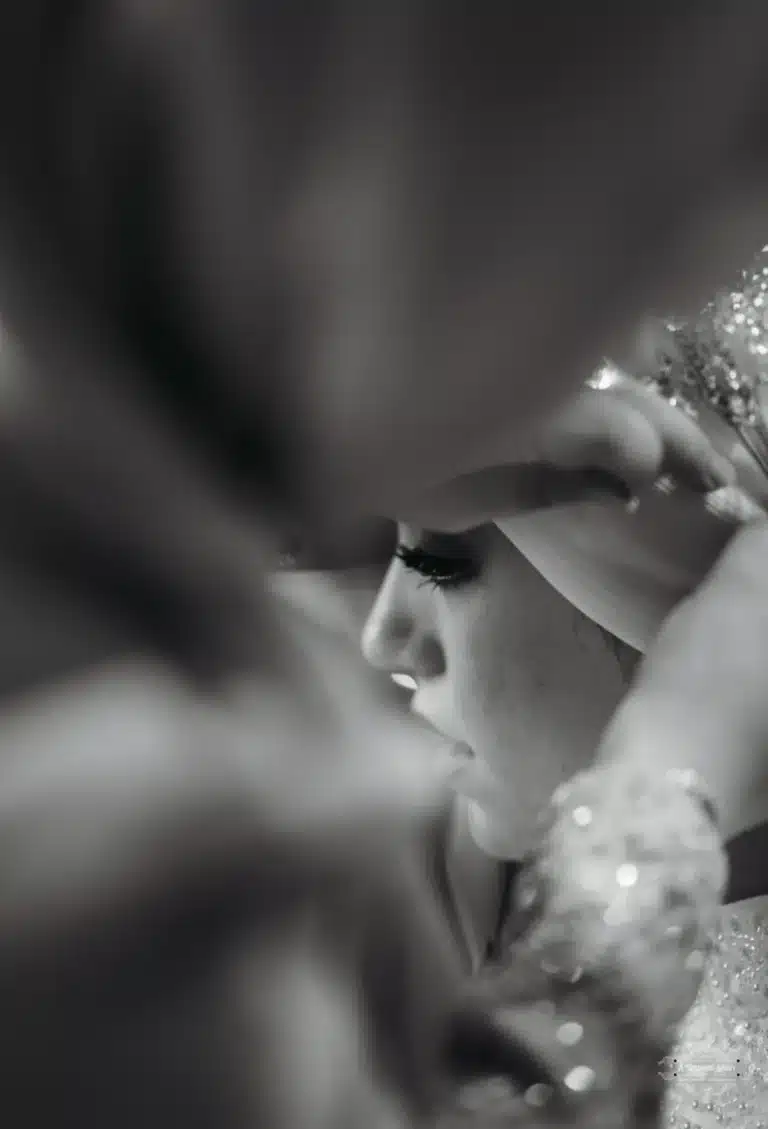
732,504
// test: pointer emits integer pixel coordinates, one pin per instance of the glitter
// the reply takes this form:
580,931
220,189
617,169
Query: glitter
538,1095
666,484
569,1034
604,377
582,815
715,360
720,1076
580,1079
627,874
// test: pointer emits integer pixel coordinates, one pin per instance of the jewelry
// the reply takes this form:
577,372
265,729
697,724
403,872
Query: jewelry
716,362
620,901
697,369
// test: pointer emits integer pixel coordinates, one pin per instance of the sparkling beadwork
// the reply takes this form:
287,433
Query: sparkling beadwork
569,1034
627,874
716,361
580,1079
604,377
666,484
721,1055
604,902
582,815
538,1095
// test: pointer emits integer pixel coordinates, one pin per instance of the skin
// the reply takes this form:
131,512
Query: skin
629,569
506,666
164,97
700,693
625,569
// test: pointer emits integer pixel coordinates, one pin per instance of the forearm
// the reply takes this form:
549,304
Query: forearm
663,730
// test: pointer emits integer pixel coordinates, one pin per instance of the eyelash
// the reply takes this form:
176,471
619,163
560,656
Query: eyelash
440,571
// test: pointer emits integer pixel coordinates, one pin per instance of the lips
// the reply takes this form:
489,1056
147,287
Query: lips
459,756
454,757
463,770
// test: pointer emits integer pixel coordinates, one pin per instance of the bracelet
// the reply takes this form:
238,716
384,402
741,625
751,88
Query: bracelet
621,898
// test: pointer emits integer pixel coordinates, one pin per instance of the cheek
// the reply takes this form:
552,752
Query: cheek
535,683
495,662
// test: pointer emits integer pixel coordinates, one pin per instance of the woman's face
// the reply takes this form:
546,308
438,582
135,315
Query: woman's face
518,683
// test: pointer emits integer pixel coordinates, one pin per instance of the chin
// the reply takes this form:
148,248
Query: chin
624,571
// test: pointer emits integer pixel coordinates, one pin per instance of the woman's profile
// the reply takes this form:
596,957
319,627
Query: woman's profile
520,685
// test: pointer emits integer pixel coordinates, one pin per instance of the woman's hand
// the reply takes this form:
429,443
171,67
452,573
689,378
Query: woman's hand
609,442
626,567
700,699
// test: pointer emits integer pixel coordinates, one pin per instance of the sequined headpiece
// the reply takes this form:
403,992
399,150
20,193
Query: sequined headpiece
718,362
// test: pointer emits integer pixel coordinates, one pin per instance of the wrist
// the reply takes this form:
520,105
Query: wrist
655,735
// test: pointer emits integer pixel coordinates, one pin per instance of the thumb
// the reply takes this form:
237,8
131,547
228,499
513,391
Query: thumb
598,429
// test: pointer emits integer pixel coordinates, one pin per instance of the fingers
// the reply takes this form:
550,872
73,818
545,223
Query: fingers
613,442
635,434
598,429
688,454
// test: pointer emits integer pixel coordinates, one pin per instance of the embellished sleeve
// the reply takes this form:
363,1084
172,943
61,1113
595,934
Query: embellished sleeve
621,898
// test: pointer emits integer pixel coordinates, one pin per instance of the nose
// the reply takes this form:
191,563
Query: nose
400,635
